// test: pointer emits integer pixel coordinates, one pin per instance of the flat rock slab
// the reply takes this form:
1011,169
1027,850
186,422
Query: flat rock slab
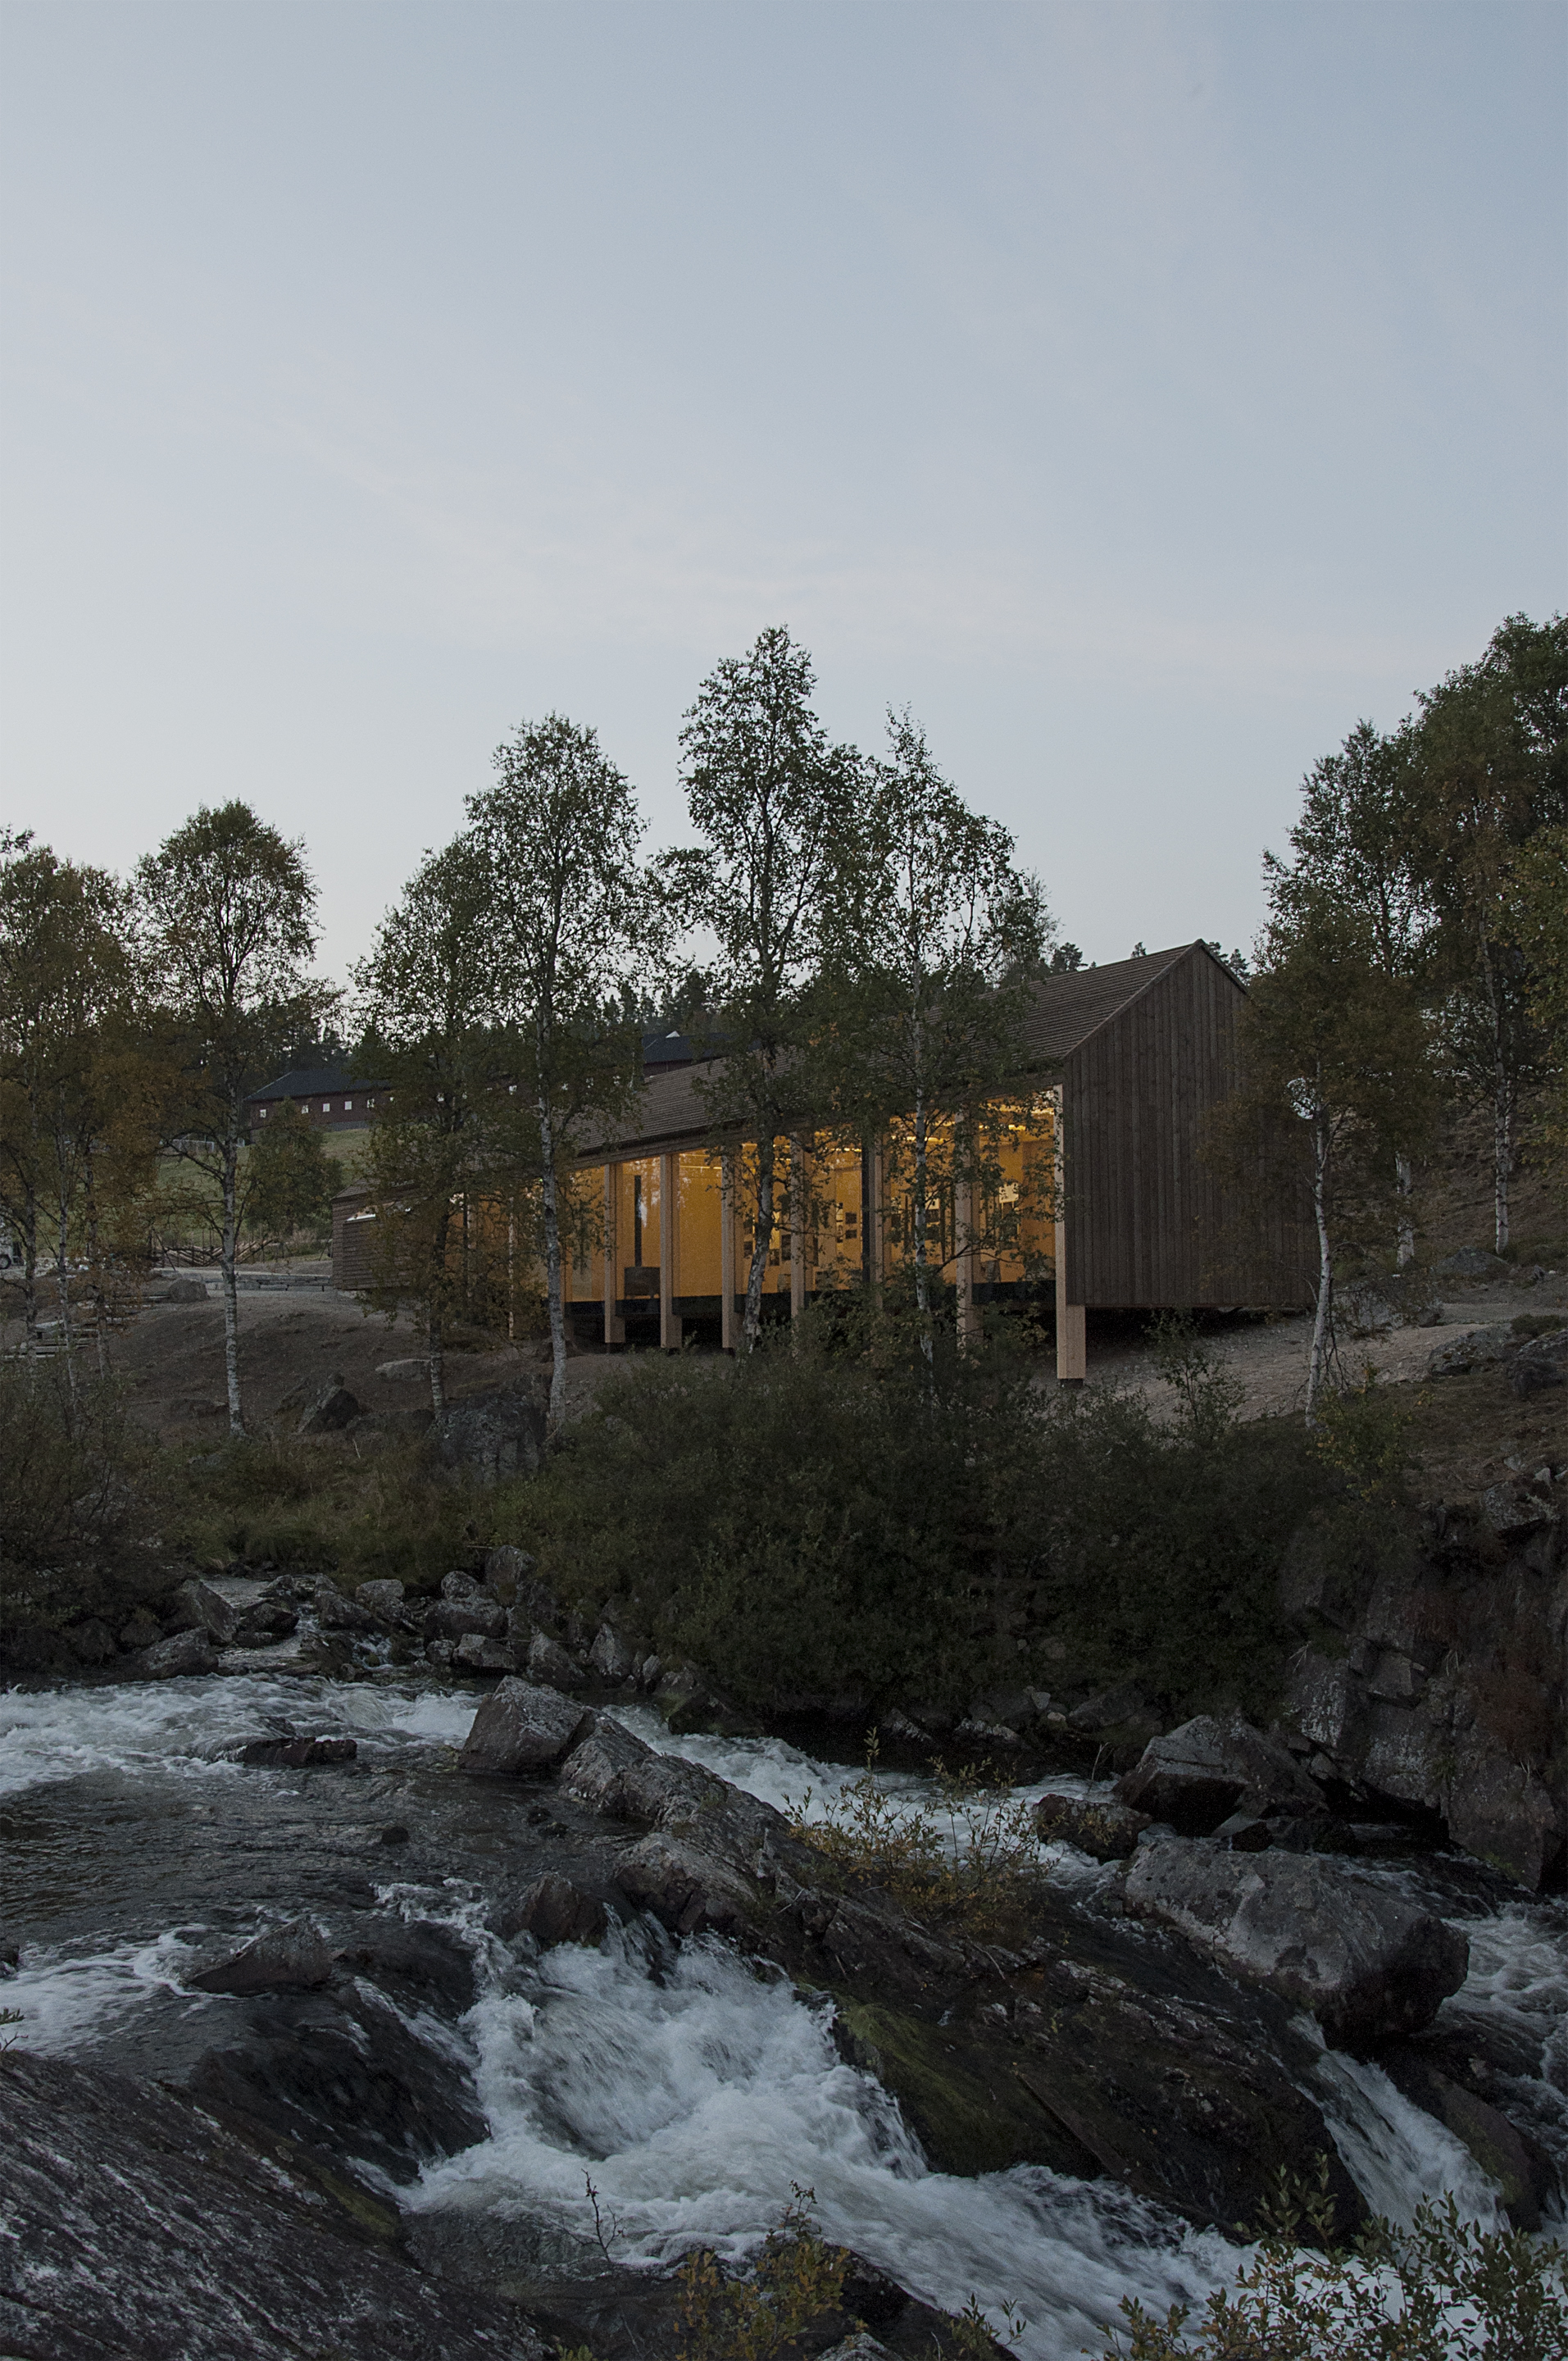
520,1728
1366,1961
132,2223
1195,1777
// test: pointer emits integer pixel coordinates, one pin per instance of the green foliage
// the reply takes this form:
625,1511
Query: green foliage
314,1507
972,1862
795,2279
292,1176
1363,1434
1444,2290
1208,1393
820,1519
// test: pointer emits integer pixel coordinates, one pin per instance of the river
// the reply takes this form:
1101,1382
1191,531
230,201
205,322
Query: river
695,2092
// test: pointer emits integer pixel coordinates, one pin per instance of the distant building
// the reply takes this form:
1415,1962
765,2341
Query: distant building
328,1096
1123,1066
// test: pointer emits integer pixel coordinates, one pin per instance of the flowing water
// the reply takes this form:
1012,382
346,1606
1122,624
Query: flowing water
695,2091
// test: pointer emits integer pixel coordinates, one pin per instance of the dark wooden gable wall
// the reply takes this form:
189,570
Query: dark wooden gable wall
1147,1222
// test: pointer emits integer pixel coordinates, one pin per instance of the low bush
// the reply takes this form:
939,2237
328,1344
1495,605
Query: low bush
820,1520
1444,2290
318,1506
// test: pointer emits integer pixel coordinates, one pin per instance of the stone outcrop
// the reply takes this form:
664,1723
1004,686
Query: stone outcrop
333,1408
553,1911
520,1728
183,1652
294,1957
495,1436
1198,1775
1365,1960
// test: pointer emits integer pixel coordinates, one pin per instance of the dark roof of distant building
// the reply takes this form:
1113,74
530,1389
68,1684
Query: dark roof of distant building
316,1081
662,1050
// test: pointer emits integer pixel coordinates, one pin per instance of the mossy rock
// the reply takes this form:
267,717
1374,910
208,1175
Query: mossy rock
969,2111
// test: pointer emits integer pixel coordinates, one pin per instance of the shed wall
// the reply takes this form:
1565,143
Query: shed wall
1148,1221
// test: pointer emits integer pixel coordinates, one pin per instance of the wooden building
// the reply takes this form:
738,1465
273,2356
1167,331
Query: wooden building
328,1096
1125,1063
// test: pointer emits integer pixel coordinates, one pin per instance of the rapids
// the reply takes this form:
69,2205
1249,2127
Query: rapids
694,2090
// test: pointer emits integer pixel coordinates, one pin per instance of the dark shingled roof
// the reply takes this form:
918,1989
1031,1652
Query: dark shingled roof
1067,1010
315,1083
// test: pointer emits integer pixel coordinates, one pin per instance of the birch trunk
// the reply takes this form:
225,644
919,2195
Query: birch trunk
1404,1232
550,1207
922,1266
437,1350
1318,1361
761,1243
228,1285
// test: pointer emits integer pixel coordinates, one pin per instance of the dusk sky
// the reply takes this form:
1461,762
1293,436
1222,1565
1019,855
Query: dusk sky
1143,394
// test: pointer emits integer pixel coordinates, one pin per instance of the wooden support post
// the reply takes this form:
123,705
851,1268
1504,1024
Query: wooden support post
1072,1344
669,1231
614,1327
797,1195
727,1251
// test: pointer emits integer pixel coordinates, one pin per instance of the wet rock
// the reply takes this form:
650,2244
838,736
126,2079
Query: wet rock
610,1657
336,1613
1103,1828
332,1409
494,1435
455,1619
1525,2176
1196,1776
91,1641
291,1957
197,1606
383,1598
143,1631
549,1664
1366,1961
686,1889
293,1753
1503,1814
344,2071
139,2225
474,1654
422,1964
185,1652
267,1622
553,1911
862,2346
520,1728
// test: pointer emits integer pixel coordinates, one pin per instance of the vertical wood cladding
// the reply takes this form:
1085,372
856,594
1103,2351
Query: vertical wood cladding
1147,1222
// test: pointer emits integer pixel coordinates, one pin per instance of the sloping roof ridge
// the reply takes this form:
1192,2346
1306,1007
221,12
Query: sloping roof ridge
1167,959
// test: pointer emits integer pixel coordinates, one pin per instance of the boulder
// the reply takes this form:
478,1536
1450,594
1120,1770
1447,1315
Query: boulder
332,1409
1503,1814
143,1630
610,1657
1472,1262
184,1291
455,1619
1372,1306
474,1654
458,1585
336,1613
553,1911
91,1641
687,1890
1512,1511
185,1652
1105,1711
286,1958
1483,1348
505,1569
268,1621
197,1606
1530,1373
494,1435
1362,1958
1195,1777
293,1753
383,1598
1103,1828
520,1728
549,1664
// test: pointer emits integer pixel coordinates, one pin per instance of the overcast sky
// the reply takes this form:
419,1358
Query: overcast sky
1140,392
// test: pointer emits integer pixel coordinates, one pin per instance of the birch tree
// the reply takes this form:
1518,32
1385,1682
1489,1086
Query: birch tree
424,996
1491,754
572,924
227,914
1336,1085
770,795
934,937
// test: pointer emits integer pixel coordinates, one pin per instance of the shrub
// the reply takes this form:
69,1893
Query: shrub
1444,2290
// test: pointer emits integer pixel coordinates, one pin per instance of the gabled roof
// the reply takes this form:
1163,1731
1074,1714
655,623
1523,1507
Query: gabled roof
315,1082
